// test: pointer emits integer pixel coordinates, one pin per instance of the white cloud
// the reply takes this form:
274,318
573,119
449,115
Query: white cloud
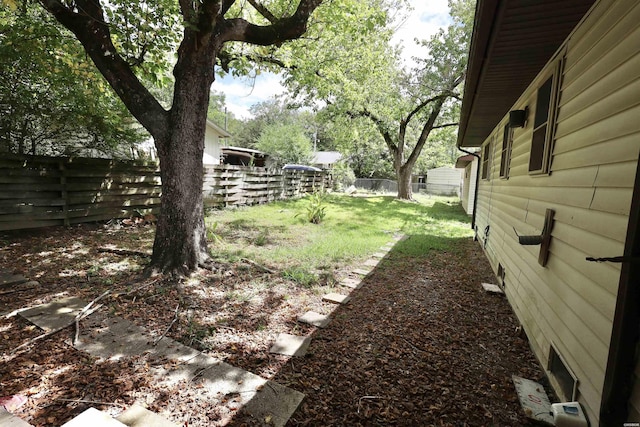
426,18
242,93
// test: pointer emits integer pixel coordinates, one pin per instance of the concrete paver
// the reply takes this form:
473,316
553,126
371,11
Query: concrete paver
7,280
94,418
112,338
138,416
361,271
371,263
488,287
351,283
336,298
291,345
315,319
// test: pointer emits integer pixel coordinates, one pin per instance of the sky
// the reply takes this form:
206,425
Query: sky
425,20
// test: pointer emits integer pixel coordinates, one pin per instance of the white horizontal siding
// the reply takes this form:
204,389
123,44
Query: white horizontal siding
571,302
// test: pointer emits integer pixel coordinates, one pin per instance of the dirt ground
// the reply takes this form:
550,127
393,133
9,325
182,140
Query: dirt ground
419,344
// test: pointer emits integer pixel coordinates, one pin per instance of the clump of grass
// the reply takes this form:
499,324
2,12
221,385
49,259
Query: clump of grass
262,238
213,233
316,209
301,276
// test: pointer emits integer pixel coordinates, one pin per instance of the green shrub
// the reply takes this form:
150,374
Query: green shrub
316,207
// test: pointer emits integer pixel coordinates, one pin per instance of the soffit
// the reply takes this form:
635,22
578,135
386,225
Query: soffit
512,41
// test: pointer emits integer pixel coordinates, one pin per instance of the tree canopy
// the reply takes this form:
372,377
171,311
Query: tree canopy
364,79
51,100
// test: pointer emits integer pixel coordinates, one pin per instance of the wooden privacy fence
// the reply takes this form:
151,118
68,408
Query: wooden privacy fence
227,185
39,191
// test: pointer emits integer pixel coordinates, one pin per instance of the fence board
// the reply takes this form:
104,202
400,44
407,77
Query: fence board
40,191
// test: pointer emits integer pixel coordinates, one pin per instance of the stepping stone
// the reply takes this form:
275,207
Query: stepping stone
361,271
7,280
138,416
54,314
351,283
336,298
113,337
95,418
387,248
7,419
379,255
494,289
291,345
315,319
371,263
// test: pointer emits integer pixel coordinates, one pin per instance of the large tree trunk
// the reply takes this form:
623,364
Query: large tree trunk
405,191
180,243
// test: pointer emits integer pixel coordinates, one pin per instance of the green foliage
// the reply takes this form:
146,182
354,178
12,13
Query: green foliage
52,101
316,209
301,276
354,228
285,144
362,78
342,175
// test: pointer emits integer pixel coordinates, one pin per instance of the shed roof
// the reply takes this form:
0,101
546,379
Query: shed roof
512,41
326,157
463,161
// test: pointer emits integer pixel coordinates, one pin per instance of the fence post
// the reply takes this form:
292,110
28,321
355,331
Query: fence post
64,193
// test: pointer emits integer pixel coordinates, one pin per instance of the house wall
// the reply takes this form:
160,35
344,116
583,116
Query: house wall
444,181
212,145
571,302
468,193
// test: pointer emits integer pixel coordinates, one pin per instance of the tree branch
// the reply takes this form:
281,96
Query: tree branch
91,30
379,124
281,30
263,11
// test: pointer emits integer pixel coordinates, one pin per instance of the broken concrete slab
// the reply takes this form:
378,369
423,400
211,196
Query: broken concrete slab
315,319
7,419
534,399
361,271
290,345
7,280
94,418
336,298
111,337
55,314
495,289
371,263
274,404
351,283
139,416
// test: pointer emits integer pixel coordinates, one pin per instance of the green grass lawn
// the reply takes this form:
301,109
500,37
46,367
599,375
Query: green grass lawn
352,229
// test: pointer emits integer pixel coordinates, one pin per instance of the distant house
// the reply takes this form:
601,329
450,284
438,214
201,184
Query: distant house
213,137
469,165
443,181
552,99
244,157
325,159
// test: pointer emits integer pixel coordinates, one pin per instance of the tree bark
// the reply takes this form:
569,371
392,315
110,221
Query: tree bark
180,243
405,191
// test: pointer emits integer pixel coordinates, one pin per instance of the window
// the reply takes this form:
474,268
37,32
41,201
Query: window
486,154
544,123
505,158
565,378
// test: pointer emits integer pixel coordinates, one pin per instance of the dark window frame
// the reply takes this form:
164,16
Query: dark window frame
505,156
545,120
486,162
